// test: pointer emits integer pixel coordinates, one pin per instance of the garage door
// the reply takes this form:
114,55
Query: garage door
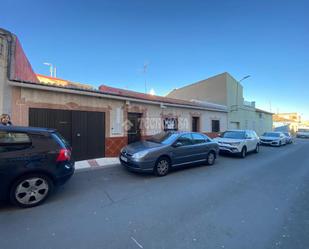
84,130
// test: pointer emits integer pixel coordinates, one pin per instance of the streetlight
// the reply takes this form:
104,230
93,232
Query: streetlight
50,68
244,78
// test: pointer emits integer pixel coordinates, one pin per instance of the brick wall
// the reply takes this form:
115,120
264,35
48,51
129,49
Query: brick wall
22,69
113,145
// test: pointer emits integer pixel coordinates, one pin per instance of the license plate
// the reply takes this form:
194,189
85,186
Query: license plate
124,158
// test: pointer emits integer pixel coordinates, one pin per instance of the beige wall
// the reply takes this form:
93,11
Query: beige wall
154,116
212,90
116,111
224,89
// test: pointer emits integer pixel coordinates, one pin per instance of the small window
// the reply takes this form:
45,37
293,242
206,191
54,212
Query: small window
11,141
185,140
215,125
198,138
10,138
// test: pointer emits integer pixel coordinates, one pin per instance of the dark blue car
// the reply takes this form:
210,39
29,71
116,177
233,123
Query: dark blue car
32,162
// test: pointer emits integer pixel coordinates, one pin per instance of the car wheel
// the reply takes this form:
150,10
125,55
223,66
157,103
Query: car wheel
31,190
257,148
243,152
280,144
162,166
211,158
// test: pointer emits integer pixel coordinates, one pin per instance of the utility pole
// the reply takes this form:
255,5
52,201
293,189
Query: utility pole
51,68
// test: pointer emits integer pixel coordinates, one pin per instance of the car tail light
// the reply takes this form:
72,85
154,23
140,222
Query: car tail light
64,155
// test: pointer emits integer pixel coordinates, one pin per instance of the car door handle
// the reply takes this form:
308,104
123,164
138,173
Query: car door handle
78,134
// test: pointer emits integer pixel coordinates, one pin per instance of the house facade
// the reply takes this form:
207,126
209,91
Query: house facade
97,122
287,122
223,89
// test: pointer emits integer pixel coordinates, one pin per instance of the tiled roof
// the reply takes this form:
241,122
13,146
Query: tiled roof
143,96
61,82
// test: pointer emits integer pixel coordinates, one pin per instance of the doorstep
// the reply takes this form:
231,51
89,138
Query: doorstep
104,162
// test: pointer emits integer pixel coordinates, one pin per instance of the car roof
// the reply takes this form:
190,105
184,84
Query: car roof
274,132
26,129
240,130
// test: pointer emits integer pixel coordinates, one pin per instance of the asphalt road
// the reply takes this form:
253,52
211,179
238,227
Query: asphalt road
258,202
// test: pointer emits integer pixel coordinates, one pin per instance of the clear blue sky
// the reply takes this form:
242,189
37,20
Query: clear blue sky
107,42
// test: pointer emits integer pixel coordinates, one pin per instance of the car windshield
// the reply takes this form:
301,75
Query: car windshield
271,134
163,138
234,134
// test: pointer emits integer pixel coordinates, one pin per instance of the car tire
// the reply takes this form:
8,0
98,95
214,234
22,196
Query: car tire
257,149
162,166
243,152
280,144
31,190
211,158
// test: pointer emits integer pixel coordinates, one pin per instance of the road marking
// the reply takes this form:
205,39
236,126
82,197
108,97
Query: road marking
135,241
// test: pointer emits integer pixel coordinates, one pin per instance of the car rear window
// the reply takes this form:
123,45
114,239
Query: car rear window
234,134
61,140
198,138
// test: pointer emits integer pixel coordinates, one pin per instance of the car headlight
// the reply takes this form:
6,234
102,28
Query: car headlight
140,154
235,144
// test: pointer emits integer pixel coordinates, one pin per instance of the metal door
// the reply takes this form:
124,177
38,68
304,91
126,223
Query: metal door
85,131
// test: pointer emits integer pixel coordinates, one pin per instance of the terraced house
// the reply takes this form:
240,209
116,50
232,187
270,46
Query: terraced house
97,122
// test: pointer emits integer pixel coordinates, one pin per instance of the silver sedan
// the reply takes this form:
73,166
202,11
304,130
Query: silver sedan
165,150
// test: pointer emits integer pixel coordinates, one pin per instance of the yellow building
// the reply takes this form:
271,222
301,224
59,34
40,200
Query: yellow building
292,120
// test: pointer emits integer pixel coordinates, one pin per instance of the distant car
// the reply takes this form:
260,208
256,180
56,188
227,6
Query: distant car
303,133
166,150
289,138
32,162
275,138
238,142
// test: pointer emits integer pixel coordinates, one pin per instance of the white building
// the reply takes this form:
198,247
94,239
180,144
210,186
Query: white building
223,89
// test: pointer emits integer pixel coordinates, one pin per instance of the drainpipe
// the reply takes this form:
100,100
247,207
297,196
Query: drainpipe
10,39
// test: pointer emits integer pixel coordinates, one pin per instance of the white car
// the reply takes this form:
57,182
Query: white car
238,142
274,138
303,133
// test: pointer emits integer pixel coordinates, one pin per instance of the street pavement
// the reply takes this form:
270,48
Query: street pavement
261,201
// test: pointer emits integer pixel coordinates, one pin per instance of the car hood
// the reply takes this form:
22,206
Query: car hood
140,146
269,138
228,140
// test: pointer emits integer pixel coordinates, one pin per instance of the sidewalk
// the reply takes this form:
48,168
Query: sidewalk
105,162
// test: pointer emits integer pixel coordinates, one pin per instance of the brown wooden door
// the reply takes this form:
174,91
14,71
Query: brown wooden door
195,124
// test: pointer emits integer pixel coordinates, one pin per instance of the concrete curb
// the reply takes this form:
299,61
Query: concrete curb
105,162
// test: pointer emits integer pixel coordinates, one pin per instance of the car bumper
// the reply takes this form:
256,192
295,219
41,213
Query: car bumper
302,136
272,143
229,149
66,173
136,166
